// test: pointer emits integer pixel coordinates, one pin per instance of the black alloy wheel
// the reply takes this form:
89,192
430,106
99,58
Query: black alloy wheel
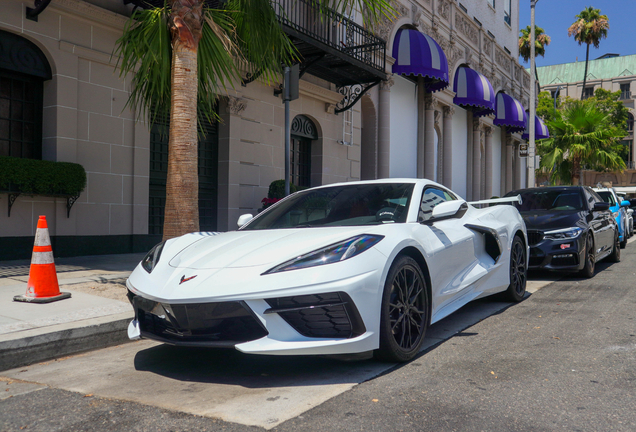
590,257
518,271
615,256
404,315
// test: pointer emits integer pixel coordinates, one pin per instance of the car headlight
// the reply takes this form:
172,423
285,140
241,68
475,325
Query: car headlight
333,253
152,258
563,234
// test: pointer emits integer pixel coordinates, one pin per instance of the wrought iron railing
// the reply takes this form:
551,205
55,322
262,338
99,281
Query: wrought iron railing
323,24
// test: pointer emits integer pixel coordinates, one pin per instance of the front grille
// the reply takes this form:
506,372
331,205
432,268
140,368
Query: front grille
328,315
216,324
534,237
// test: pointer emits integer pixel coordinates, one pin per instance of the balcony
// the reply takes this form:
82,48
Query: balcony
332,46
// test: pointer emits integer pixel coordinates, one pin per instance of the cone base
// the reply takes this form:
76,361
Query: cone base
24,298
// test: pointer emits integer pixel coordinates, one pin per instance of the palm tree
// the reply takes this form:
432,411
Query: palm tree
541,40
580,134
589,28
182,55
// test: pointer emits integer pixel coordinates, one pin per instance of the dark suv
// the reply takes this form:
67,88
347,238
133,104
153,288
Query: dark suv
570,228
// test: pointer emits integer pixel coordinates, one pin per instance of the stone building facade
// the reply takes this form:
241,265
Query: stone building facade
397,129
610,72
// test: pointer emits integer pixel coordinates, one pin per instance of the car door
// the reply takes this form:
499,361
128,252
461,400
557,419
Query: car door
600,222
450,252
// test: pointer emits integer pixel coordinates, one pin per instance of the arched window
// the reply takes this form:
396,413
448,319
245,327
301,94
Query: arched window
23,69
630,122
303,132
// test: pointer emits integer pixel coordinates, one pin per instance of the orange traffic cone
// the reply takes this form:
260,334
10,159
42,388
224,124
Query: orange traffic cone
42,286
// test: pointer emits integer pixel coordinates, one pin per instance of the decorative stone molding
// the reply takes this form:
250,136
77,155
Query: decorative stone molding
443,9
456,54
386,85
235,105
385,26
487,47
330,108
509,140
526,80
318,92
502,60
469,57
477,125
90,12
417,15
466,27
449,112
430,102
488,130
437,115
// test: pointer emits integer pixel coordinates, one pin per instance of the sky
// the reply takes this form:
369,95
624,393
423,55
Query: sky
555,16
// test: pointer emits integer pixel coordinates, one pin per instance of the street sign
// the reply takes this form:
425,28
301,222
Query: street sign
523,150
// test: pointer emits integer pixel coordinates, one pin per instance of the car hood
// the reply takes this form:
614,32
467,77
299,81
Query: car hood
546,220
255,248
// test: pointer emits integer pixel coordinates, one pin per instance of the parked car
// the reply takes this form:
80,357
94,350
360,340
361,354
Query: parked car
570,228
619,211
630,213
344,268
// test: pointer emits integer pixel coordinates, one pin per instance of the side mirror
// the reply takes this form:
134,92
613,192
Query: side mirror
624,203
601,206
243,219
449,209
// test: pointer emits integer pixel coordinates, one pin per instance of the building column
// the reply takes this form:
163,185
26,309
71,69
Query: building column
476,159
517,166
421,126
447,181
488,133
384,128
429,138
509,155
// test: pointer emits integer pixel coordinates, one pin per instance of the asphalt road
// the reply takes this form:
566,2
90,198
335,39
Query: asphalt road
563,359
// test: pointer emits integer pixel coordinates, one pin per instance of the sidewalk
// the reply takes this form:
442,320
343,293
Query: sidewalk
30,333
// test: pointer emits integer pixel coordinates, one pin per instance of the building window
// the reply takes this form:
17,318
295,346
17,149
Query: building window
625,91
491,3
23,70
303,132
508,12
589,92
630,123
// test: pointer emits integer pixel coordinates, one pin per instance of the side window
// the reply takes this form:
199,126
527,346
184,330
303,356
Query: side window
589,197
430,198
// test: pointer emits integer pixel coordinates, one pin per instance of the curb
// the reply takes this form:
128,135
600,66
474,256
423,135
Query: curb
32,346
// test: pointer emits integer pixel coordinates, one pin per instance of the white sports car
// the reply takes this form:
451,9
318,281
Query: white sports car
343,268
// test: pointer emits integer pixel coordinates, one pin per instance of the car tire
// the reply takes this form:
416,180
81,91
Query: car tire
615,256
590,257
404,313
518,271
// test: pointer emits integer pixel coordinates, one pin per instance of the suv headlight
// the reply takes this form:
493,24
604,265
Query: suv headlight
330,254
563,234
152,258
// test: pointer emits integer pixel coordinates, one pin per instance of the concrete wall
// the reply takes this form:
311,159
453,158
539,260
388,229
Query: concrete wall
403,158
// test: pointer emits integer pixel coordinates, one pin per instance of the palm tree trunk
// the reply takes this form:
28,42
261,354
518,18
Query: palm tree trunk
587,55
182,185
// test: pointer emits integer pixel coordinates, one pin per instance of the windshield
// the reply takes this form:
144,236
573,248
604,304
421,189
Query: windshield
607,196
346,205
553,200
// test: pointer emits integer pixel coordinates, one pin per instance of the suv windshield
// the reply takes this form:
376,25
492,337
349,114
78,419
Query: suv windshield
346,205
553,200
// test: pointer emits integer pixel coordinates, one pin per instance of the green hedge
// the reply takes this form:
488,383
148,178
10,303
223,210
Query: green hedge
38,177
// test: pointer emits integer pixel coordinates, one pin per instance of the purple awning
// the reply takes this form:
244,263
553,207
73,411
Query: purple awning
540,130
418,54
510,113
472,89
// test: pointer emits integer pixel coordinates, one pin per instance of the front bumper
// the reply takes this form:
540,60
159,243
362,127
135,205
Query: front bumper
557,255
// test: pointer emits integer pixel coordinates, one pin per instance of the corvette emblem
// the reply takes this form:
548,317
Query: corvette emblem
185,279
